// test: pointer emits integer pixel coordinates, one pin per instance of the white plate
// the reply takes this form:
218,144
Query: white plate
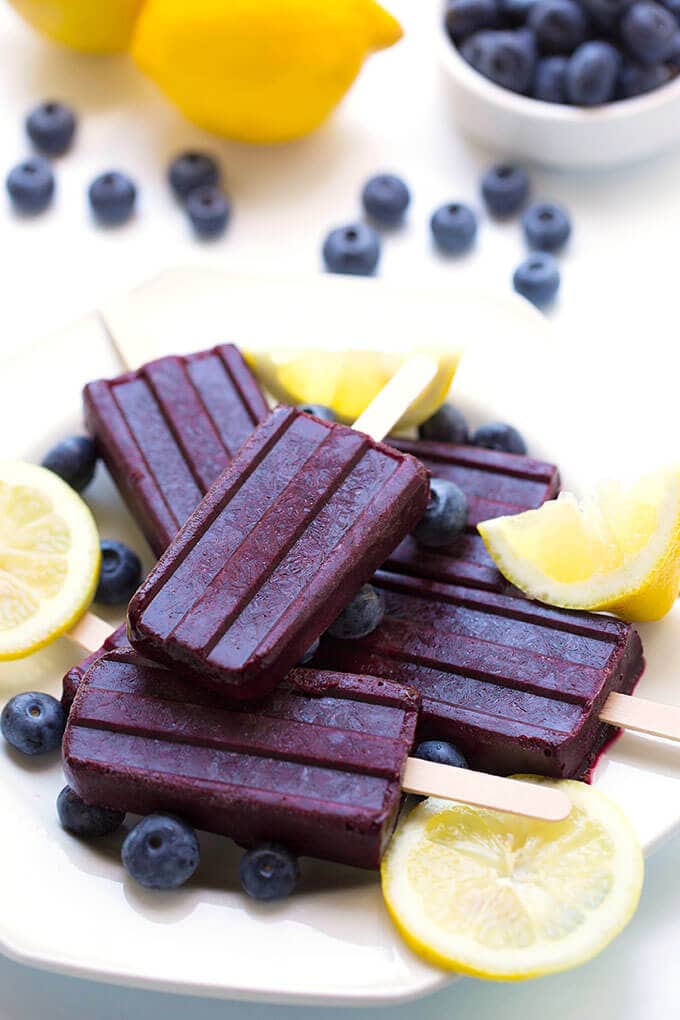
67,905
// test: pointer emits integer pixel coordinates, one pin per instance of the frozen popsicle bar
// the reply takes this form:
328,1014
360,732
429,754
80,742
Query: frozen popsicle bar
495,484
516,685
167,430
316,766
281,543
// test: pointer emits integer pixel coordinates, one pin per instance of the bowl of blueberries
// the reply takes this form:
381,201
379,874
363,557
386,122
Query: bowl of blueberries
565,83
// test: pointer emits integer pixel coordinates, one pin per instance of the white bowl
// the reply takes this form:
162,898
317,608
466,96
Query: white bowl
559,136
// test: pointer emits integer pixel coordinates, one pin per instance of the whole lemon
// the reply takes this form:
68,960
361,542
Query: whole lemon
95,26
259,70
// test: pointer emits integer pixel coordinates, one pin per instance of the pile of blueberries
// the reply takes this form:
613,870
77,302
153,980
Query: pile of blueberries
51,127
578,52
355,248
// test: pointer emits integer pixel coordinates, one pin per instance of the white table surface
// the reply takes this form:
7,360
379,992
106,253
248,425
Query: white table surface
618,300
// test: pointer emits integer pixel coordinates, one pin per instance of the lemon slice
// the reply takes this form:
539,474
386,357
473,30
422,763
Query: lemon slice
49,558
618,550
509,898
347,381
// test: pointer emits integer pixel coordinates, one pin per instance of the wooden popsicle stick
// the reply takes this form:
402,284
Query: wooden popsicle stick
642,716
90,632
395,398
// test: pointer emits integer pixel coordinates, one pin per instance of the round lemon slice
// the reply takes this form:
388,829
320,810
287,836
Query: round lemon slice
617,550
509,898
49,558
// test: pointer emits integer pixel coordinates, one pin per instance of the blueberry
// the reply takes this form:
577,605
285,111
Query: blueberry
463,17
386,198
73,459
30,185
505,189
85,820
635,79
120,574
454,228
33,723
364,613
649,30
445,517
606,13
537,279
560,25
318,410
506,58
161,852
447,425
193,170
209,211
51,127
499,436
547,226
516,12
550,81
592,75
442,752
310,653
354,249
269,872
112,198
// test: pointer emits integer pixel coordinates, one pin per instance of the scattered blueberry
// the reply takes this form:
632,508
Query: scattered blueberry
74,460
354,249
30,185
538,279
635,79
559,25
161,852
547,227
550,81
193,170
269,872
120,574
209,211
310,653
33,723
649,31
505,189
442,752
454,228
506,58
592,74
445,517
318,410
51,127
364,613
447,425
112,198
83,819
386,198
499,436
463,17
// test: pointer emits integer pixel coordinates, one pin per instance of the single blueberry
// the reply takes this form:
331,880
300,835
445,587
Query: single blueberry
74,460
51,127
606,14
209,211
161,852
550,81
386,198
442,752
192,170
85,820
112,198
361,617
547,226
447,425
353,250
33,723
445,517
30,185
648,30
318,410
454,228
506,58
538,279
120,574
463,17
310,653
505,189
592,75
515,13
499,436
269,872
560,25
635,79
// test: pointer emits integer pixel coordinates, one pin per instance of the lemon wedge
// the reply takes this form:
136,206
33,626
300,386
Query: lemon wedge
347,381
617,550
509,898
49,558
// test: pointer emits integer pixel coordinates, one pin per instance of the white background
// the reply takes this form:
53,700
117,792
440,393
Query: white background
618,306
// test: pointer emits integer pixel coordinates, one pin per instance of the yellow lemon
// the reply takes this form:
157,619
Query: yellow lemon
259,70
509,898
49,558
94,26
617,550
